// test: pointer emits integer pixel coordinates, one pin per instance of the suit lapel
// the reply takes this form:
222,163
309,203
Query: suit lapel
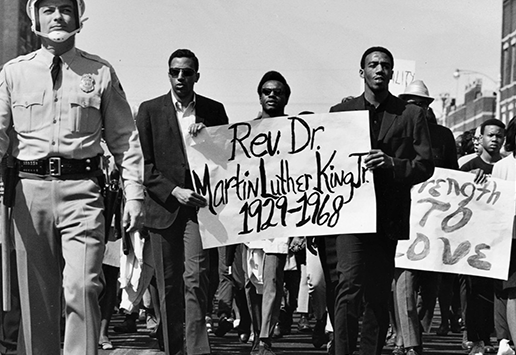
169,114
200,109
387,121
389,117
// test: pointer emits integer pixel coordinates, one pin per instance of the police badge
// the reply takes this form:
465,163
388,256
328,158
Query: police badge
87,83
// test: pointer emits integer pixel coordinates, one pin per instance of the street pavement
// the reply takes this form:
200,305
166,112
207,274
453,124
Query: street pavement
140,343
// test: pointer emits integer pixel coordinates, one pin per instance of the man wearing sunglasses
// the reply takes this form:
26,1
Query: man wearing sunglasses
171,205
265,290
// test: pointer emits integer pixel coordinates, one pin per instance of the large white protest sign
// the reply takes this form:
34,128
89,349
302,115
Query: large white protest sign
460,227
283,176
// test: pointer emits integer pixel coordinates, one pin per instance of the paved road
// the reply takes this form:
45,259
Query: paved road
297,343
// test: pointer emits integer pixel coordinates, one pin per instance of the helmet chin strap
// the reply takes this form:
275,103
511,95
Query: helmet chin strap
57,36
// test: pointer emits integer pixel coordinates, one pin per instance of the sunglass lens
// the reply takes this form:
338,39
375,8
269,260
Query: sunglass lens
186,72
267,92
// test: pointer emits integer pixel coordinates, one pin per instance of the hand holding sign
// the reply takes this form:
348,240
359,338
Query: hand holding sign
378,159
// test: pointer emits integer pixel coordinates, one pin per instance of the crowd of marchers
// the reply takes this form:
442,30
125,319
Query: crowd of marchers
103,216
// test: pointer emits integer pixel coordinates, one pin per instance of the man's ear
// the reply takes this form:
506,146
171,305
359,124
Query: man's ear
197,76
361,73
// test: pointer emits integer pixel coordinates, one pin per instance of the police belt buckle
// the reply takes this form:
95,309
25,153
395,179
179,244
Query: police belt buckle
54,166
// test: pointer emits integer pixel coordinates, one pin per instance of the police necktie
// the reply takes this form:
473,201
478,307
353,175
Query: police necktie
56,68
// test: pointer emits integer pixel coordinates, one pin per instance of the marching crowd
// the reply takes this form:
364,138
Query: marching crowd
63,111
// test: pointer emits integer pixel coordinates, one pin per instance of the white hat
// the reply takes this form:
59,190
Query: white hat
57,36
417,88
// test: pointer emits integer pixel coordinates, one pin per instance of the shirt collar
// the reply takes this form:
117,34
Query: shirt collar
381,106
178,105
66,57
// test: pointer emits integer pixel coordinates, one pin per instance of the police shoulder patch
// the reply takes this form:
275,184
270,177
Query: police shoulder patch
93,57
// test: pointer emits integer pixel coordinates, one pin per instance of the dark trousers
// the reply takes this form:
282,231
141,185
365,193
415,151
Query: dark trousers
213,276
479,295
429,282
500,310
239,278
291,280
265,308
226,285
181,267
365,267
328,256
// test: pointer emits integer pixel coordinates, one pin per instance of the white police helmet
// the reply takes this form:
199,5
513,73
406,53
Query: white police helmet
55,36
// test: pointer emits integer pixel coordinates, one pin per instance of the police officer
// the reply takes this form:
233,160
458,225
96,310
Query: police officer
58,101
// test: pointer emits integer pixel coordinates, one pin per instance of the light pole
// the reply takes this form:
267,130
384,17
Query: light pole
458,72
445,97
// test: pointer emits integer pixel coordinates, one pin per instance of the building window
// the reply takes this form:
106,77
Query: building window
512,68
506,60
513,16
507,14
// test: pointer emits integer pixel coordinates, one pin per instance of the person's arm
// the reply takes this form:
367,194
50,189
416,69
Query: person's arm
122,140
5,113
156,184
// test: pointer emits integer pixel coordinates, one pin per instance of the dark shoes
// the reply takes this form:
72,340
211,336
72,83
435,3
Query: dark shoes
304,325
280,331
243,337
284,325
413,351
224,326
443,330
466,344
398,350
244,332
127,326
477,348
262,349
489,348
455,326
319,337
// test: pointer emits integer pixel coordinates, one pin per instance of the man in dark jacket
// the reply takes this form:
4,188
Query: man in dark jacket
171,204
400,157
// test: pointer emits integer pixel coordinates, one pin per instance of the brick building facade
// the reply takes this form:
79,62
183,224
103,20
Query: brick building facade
508,62
15,35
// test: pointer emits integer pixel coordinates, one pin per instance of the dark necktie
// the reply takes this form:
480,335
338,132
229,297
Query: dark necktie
56,68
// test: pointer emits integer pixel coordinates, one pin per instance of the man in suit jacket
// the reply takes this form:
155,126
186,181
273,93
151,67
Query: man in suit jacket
400,157
171,204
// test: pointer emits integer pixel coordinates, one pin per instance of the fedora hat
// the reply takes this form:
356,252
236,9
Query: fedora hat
417,88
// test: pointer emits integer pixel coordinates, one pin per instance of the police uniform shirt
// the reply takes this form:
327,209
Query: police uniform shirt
67,120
